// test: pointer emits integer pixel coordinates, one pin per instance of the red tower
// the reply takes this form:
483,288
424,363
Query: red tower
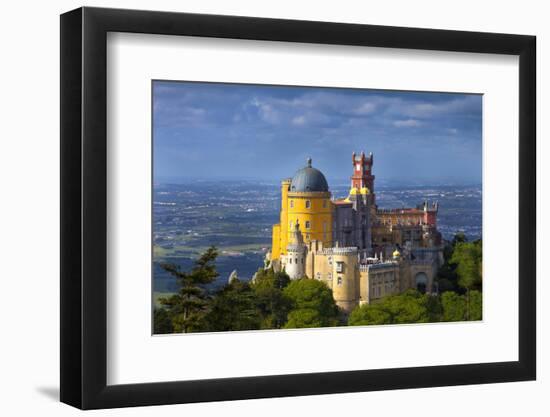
362,171
430,213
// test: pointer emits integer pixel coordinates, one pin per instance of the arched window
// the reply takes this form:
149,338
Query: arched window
308,224
308,204
291,203
421,281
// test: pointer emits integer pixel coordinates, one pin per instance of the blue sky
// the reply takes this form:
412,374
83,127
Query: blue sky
210,130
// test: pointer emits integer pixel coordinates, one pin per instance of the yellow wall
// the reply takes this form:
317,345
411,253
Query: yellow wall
323,266
319,216
345,283
275,242
283,226
318,267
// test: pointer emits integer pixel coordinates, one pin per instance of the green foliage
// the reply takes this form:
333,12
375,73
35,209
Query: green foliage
434,307
467,257
447,277
454,306
475,305
162,323
409,307
462,267
446,284
369,314
458,307
303,318
468,260
272,304
459,237
233,308
187,307
312,304
313,294
277,280
413,307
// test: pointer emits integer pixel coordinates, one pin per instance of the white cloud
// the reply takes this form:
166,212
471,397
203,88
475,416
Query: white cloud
427,109
299,121
365,108
459,105
407,123
267,112
193,111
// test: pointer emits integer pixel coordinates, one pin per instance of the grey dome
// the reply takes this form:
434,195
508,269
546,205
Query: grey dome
308,179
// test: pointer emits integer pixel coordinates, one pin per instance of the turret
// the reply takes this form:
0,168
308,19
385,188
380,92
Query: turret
233,277
362,177
296,254
430,213
344,278
396,255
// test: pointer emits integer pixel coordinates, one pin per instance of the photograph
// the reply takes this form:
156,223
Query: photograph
268,209
290,207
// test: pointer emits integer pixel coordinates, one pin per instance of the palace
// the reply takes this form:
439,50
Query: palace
362,252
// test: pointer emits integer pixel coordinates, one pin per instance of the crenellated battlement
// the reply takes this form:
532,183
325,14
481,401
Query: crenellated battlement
379,265
352,250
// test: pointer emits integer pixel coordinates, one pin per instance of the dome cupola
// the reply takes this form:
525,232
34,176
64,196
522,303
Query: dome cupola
309,179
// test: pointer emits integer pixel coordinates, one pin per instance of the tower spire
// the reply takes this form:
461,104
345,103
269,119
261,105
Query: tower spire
362,172
296,253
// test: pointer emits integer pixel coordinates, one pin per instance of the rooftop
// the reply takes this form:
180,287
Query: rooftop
309,179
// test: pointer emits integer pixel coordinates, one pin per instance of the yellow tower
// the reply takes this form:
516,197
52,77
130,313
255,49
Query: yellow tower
313,211
304,199
279,239
345,278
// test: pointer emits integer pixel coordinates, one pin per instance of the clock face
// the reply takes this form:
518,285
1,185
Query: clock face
358,167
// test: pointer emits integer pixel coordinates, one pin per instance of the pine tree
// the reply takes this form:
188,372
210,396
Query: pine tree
468,258
233,308
271,302
187,306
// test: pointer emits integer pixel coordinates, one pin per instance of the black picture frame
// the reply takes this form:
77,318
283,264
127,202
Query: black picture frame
84,207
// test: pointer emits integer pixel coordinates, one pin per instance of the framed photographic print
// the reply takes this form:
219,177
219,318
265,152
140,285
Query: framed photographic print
258,208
